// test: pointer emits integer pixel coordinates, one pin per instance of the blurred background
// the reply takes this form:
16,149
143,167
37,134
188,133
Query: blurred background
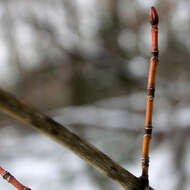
85,63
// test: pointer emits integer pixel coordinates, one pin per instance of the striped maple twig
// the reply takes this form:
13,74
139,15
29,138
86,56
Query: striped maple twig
12,180
154,19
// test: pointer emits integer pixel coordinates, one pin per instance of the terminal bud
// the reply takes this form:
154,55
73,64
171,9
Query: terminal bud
154,19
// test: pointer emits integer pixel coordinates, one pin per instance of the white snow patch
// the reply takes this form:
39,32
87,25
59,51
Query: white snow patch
181,117
137,66
162,171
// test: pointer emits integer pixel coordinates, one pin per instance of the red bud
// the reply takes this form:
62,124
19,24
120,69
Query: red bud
154,19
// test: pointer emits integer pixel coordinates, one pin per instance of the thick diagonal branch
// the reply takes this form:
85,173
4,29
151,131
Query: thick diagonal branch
14,108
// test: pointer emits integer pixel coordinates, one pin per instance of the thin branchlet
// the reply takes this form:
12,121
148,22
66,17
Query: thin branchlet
154,20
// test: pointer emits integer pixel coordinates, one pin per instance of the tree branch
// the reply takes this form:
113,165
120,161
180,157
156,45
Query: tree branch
12,180
14,108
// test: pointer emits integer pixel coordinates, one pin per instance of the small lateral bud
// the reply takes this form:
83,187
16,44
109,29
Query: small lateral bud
154,19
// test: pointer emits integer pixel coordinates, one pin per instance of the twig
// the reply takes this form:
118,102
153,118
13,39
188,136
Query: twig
150,95
12,180
14,108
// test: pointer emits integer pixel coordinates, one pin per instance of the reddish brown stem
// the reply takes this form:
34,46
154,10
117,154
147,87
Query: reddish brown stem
150,94
12,180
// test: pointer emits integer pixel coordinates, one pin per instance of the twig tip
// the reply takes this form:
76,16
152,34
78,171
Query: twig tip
154,19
